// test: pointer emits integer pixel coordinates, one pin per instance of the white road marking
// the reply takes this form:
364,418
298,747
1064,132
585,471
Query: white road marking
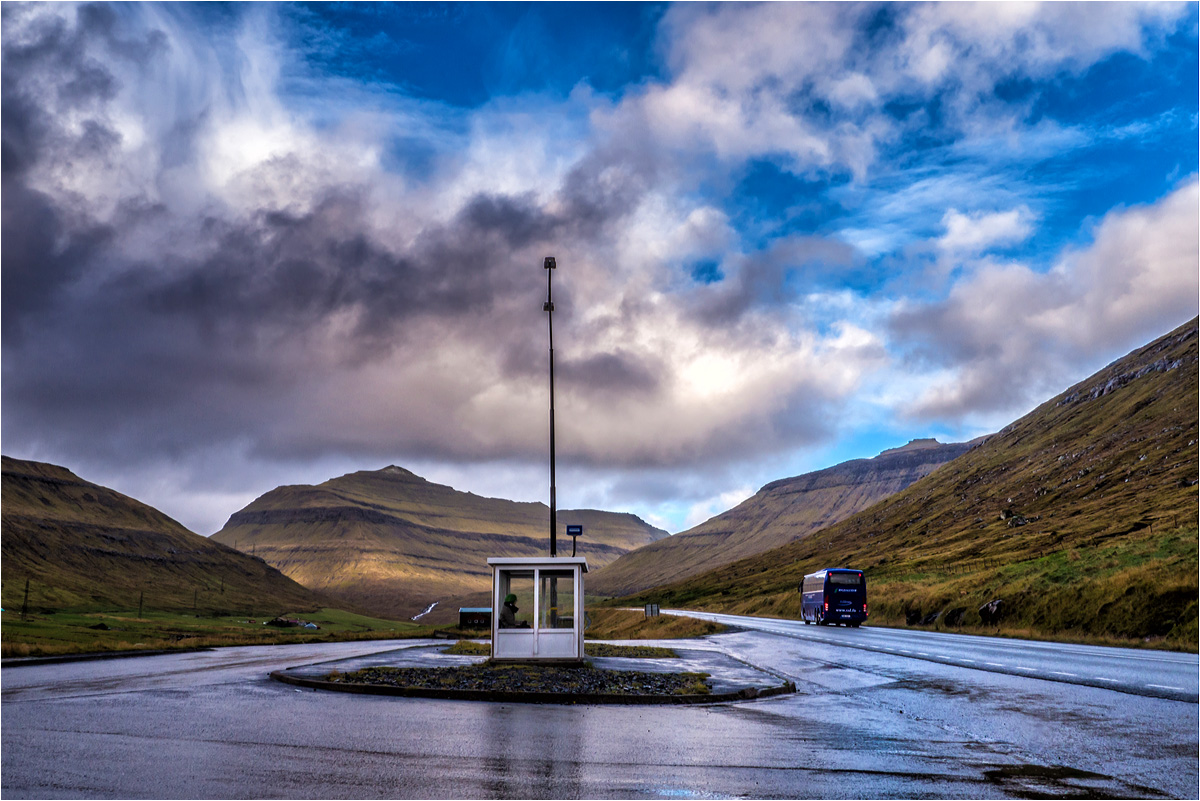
994,664
1165,687
1101,678
1061,673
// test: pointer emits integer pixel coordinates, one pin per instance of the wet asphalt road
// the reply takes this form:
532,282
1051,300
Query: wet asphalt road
865,723
1158,674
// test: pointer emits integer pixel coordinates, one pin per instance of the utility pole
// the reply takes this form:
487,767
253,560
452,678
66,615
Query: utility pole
548,307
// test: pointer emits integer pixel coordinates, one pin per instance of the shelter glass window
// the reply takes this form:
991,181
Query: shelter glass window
520,584
556,601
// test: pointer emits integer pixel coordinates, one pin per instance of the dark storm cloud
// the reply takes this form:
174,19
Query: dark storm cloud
48,72
606,186
774,278
161,333
48,76
291,271
141,329
619,373
44,251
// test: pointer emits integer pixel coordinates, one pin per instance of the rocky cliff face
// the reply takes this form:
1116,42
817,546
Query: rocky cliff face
81,545
392,542
781,512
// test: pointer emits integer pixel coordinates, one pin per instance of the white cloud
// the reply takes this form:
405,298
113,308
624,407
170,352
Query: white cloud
1141,272
745,78
1008,336
978,231
977,44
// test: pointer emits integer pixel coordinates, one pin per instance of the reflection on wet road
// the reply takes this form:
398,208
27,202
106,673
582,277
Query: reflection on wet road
1158,674
864,723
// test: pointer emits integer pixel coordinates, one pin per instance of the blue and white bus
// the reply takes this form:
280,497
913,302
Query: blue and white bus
834,595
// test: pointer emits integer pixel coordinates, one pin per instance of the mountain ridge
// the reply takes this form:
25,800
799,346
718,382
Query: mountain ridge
781,511
393,542
81,545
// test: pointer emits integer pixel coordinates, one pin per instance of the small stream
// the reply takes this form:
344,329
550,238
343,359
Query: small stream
428,609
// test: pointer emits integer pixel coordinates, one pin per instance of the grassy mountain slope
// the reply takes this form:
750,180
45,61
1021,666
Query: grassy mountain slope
1081,516
392,542
83,547
780,512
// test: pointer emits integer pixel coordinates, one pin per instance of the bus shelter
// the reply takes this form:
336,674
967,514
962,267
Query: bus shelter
545,620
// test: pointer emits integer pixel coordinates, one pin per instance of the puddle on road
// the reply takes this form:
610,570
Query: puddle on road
835,678
1058,781
674,792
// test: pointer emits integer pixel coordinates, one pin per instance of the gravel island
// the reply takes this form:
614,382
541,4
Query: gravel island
584,681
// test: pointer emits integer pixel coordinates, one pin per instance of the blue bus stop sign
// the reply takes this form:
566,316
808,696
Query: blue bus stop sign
574,531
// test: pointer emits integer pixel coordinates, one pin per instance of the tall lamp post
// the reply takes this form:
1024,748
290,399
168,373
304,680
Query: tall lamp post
548,307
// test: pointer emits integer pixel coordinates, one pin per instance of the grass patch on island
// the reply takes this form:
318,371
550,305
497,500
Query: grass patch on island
629,651
585,680
469,648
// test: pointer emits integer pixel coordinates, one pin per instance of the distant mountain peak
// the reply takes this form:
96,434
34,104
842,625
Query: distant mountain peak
393,542
393,470
914,445
782,511
391,473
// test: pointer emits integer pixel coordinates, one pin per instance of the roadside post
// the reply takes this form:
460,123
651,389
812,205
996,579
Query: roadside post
537,602
549,264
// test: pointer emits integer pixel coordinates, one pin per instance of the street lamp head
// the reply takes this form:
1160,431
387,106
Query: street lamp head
549,263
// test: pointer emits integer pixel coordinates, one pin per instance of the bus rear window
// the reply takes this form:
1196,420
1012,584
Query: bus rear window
853,579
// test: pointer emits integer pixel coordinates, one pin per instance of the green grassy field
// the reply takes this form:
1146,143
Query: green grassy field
97,632
623,624
82,632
